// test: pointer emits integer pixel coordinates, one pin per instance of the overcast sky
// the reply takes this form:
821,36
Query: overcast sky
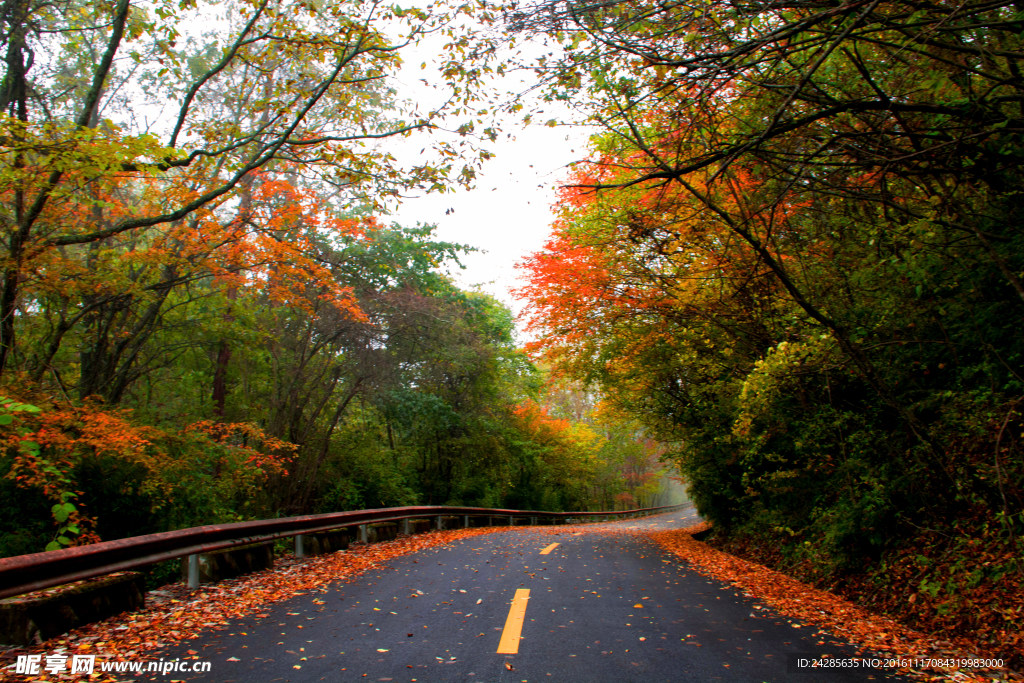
509,214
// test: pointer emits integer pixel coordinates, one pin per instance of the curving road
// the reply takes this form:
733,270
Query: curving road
603,605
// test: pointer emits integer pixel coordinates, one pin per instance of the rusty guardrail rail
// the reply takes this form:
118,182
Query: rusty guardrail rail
27,573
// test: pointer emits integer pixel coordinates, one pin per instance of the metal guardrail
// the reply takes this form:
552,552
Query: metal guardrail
27,573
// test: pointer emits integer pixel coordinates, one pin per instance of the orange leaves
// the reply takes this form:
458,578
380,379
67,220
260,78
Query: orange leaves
618,256
64,433
535,419
566,284
266,237
570,451
238,435
642,285
50,444
167,620
47,445
882,635
544,429
101,431
273,244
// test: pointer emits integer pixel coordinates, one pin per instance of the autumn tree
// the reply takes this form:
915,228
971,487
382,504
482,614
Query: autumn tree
272,84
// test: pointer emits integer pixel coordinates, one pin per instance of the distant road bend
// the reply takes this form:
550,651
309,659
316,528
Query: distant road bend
586,604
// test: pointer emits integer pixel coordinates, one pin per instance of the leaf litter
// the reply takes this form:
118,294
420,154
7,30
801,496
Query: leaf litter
873,634
175,613
882,636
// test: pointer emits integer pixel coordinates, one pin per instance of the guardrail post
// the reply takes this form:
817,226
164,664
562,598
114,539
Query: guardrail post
440,524
299,550
465,521
193,571
490,520
362,534
405,526
533,521
511,520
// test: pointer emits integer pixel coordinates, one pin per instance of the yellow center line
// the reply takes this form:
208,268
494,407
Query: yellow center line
547,551
509,644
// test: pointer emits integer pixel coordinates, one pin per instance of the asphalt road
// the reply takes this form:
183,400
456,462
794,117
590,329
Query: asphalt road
602,607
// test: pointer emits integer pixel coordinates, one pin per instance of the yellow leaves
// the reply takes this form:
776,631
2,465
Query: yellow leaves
93,153
770,374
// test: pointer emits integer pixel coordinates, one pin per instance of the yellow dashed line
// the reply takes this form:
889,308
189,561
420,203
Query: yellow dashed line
509,644
547,551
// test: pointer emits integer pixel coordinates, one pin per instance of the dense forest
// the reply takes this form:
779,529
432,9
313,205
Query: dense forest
206,315
795,254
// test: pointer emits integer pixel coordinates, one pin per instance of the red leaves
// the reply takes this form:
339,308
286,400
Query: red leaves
269,458
50,440
960,584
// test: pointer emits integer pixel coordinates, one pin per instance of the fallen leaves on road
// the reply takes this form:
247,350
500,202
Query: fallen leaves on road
175,613
878,634
881,635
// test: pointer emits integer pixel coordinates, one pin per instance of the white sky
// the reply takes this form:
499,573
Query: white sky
509,213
